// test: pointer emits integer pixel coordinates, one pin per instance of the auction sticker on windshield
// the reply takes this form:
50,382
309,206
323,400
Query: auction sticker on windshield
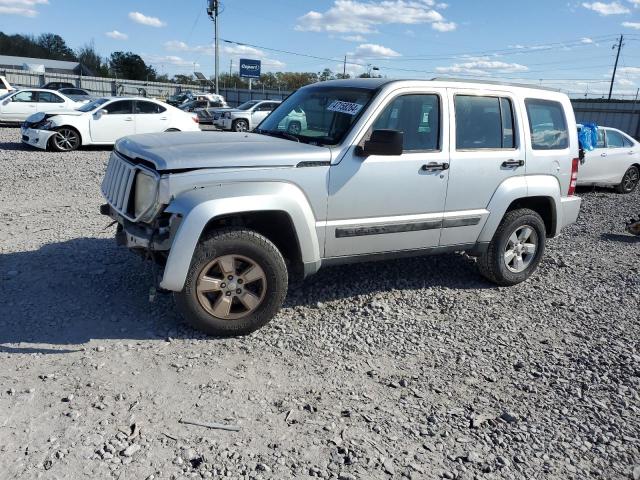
344,107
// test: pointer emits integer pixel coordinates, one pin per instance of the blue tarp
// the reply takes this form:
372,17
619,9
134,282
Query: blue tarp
588,136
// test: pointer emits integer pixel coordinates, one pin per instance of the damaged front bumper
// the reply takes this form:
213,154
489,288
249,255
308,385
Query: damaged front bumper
36,138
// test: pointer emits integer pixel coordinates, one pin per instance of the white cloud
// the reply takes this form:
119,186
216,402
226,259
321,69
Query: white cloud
613,8
145,20
482,66
354,38
586,40
169,60
444,26
625,82
24,8
635,25
355,16
633,72
116,35
373,50
231,50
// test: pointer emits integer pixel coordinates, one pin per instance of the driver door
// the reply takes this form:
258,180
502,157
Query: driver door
116,122
393,203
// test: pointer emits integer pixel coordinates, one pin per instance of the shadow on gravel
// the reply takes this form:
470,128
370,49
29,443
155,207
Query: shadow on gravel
618,237
88,288
14,146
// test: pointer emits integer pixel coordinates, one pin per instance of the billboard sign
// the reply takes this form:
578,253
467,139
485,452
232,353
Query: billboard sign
250,68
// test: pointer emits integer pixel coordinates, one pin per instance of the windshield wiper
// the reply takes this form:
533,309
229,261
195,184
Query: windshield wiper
271,133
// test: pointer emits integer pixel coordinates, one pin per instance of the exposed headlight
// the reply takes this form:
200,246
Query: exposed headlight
47,125
145,194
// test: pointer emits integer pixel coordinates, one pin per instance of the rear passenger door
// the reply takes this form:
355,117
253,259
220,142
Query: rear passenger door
150,117
486,150
50,102
112,121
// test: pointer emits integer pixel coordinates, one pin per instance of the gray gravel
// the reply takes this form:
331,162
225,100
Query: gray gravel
416,368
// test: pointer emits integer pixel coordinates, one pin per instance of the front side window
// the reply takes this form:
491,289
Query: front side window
614,139
121,107
484,123
148,108
26,96
329,113
547,124
48,97
417,116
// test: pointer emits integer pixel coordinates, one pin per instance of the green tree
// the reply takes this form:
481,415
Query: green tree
325,75
55,47
89,57
180,78
128,65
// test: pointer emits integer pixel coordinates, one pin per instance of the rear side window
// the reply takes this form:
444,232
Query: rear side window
148,107
627,142
484,123
547,124
48,97
418,117
614,139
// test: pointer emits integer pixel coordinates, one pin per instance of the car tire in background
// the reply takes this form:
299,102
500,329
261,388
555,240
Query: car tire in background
629,180
516,248
240,126
294,128
236,283
66,139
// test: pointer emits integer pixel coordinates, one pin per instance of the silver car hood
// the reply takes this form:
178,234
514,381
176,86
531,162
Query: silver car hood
193,150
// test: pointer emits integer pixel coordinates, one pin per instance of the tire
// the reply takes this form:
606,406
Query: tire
629,180
66,139
243,246
493,264
172,130
240,126
294,128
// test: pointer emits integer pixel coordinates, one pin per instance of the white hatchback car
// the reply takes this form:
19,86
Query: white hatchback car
16,106
614,162
103,121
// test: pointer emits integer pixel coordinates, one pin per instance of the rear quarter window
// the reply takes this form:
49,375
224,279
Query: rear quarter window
547,124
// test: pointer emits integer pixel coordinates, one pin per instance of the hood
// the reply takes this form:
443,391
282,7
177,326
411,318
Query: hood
40,116
193,150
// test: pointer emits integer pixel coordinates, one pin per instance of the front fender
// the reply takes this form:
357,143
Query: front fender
517,188
199,206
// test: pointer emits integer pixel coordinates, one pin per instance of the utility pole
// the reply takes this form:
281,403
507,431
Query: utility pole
230,67
344,68
212,11
615,67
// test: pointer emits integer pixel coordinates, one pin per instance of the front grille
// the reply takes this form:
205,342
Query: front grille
117,184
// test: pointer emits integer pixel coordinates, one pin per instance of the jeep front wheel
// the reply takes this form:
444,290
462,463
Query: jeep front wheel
515,249
236,284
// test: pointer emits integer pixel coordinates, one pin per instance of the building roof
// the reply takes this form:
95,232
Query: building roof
51,65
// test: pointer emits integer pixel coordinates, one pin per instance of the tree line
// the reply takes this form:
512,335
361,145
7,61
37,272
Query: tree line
130,66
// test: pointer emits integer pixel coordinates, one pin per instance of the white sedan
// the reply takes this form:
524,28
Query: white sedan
615,162
16,106
103,121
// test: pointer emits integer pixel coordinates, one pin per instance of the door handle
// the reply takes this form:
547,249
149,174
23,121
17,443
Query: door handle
631,153
128,119
513,163
435,166
604,154
163,118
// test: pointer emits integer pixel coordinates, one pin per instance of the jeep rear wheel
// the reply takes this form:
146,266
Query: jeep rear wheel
237,283
516,248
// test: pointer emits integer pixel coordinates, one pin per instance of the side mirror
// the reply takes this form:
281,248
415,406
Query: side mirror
383,142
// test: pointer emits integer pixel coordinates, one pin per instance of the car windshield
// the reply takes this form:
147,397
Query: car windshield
87,107
324,115
247,105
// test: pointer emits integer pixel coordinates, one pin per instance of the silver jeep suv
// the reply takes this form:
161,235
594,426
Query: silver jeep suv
382,168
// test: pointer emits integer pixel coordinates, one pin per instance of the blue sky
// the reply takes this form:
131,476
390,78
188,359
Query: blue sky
566,44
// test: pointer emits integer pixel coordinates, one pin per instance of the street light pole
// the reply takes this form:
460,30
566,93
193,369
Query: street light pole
212,11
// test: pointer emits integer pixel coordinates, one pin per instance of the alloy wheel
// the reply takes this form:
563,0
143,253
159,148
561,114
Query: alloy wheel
630,179
521,249
231,287
66,139
241,126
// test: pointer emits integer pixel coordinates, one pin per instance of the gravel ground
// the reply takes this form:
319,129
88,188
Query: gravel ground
414,368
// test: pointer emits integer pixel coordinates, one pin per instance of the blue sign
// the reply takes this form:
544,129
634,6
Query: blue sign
250,68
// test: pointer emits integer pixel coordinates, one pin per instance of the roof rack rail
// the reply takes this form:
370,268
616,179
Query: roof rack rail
493,82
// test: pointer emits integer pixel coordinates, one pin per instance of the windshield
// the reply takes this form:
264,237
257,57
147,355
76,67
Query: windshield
321,115
87,107
247,105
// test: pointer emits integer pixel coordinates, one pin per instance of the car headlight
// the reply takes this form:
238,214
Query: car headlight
48,125
145,194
